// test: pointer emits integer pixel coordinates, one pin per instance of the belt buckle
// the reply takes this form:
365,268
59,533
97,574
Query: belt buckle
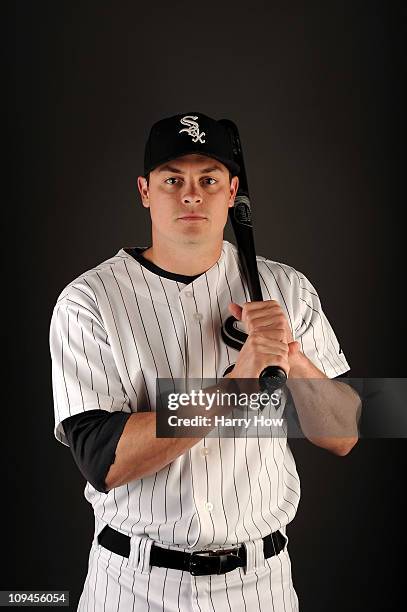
227,561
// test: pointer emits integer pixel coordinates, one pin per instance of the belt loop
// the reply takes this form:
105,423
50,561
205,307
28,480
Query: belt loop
139,557
283,531
99,526
259,553
254,555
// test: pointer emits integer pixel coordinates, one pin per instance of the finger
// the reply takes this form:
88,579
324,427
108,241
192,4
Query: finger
274,345
267,304
251,316
270,328
274,348
236,311
266,320
278,349
269,334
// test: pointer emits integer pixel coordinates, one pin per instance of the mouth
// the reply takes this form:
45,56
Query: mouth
192,218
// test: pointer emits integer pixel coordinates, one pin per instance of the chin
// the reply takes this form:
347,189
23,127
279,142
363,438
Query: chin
199,232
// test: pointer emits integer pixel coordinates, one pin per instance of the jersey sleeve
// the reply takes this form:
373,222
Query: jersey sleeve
84,373
314,332
93,436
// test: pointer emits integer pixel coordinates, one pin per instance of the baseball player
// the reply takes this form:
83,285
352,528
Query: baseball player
183,523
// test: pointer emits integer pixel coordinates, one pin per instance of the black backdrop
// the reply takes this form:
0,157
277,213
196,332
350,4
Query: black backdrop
318,92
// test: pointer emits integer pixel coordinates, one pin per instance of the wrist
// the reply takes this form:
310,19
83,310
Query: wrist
302,367
299,365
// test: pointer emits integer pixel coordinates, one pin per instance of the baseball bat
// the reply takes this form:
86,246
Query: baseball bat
272,377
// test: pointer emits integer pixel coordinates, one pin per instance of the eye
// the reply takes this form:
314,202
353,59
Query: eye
175,179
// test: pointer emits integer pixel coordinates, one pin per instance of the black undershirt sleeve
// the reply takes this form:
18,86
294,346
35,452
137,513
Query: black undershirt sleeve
93,436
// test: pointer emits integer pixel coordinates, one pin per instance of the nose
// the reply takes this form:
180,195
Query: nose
192,195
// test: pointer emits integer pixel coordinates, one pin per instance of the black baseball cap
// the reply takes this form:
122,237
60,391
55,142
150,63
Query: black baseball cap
186,133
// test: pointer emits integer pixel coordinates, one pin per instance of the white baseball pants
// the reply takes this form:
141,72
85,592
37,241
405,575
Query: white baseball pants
115,583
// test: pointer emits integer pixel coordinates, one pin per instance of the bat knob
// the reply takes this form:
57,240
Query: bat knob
272,378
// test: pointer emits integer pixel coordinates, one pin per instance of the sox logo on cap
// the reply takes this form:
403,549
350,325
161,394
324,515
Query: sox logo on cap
193,129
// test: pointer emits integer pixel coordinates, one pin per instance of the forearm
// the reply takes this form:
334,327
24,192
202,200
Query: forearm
328,410
140,453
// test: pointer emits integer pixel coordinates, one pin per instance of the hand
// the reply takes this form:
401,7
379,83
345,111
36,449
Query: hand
269,342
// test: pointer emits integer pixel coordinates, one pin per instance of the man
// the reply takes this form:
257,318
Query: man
156,313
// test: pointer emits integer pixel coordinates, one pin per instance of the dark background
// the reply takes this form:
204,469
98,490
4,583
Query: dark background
318,92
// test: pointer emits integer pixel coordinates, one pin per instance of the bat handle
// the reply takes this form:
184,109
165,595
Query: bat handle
272,378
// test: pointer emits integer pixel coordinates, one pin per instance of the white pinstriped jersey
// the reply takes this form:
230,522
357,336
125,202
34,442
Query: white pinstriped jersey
118,327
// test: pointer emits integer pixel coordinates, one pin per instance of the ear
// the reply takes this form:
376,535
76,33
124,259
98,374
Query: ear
144,191
234,186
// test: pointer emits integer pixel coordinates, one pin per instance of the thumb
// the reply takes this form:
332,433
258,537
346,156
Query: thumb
293,348
236,311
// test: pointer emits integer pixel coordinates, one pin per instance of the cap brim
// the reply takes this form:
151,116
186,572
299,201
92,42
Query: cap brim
231,165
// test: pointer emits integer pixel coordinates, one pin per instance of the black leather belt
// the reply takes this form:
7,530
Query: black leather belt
199,562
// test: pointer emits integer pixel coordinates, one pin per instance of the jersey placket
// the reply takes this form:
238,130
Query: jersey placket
198,329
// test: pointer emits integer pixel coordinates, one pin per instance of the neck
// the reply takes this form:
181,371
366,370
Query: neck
186,259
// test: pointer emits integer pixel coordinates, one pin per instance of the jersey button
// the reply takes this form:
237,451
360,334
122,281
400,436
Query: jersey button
188,294
198,316
204,451
209,506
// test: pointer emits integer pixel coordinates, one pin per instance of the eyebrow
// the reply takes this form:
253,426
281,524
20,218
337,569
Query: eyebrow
168,168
